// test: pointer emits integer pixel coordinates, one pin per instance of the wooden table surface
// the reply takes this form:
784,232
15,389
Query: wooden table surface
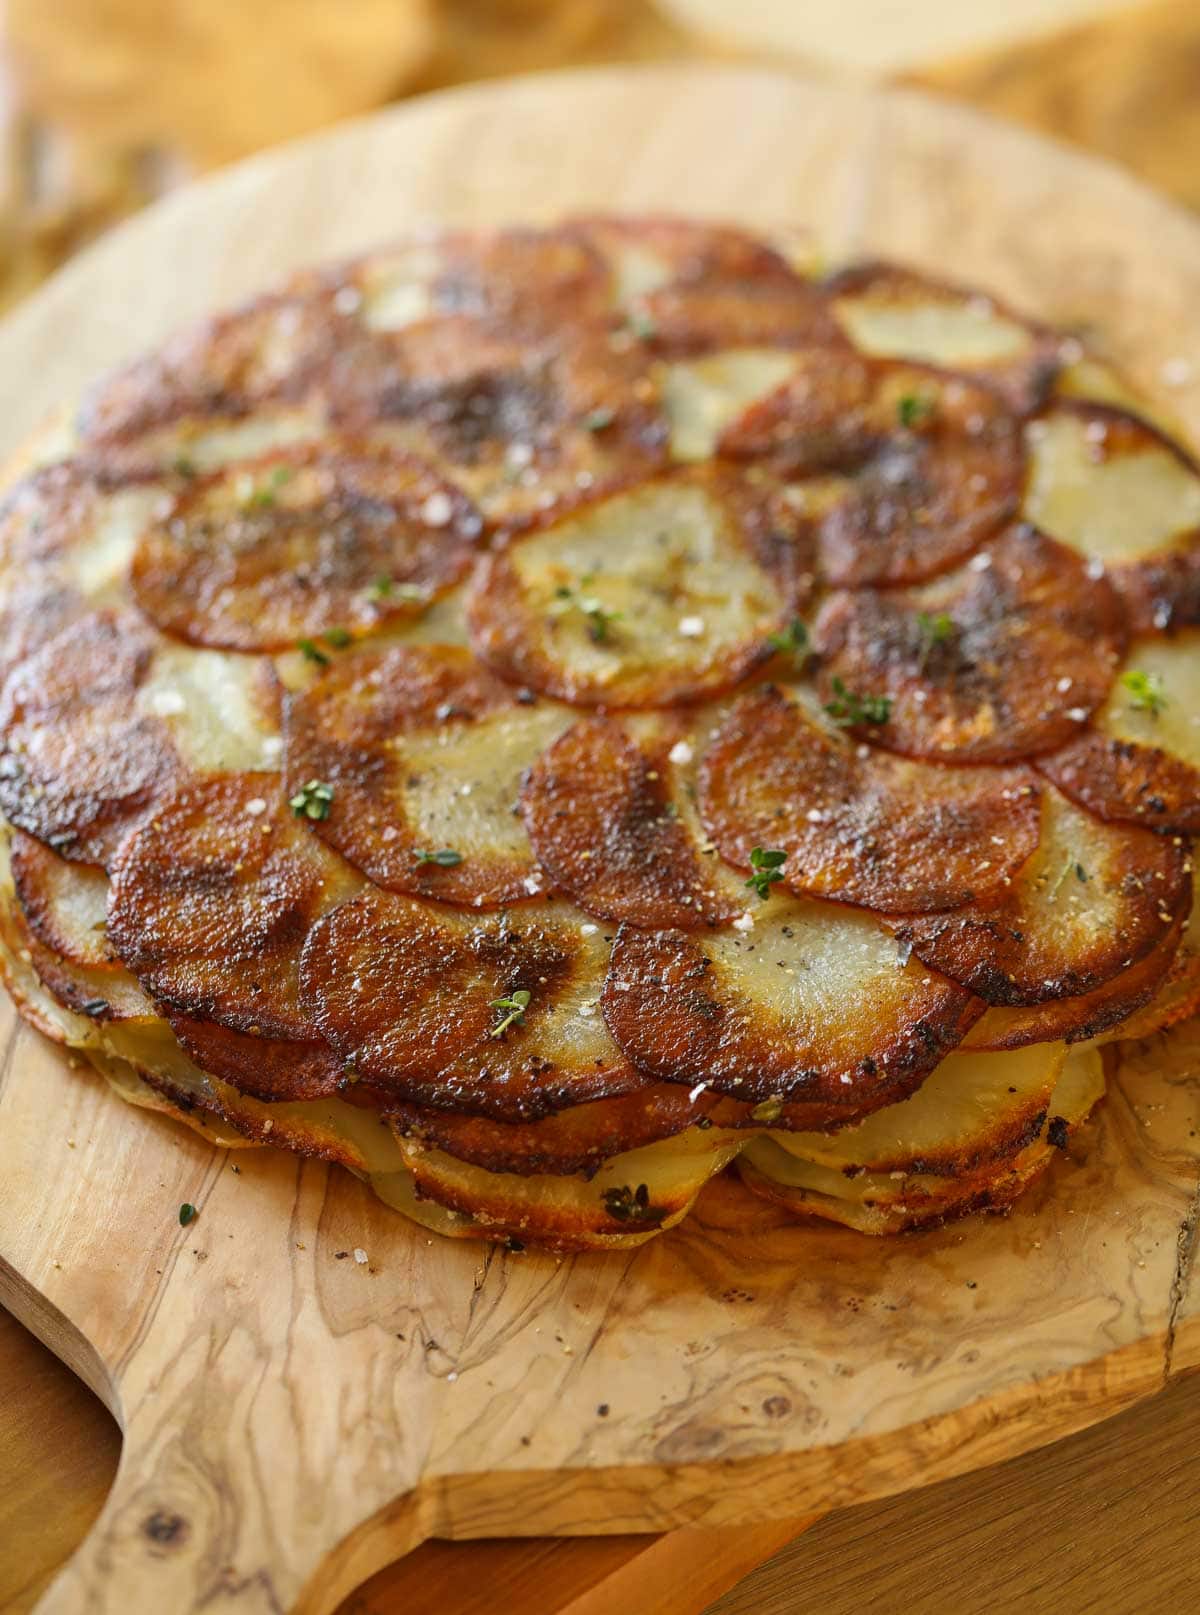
1105,1520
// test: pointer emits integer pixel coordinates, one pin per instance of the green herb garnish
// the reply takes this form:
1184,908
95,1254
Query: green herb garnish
183,467
849,708
1071,866
933,630
444,858
641,326
911,409
313,800
339,638
793,642
512,1011
312,652
599,419
597,616
382,586
1145,690
187,1214
263,496
765,869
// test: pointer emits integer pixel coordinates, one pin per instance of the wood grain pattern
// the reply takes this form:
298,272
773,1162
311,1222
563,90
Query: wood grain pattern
752,1370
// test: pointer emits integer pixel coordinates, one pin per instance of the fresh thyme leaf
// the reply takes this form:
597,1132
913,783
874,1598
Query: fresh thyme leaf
382,586
933,630
765,869
183,467
512,1011
313,800
312,652
912,408
1145,690
598,420
849,708
596,614
1071,867
187,1214
444,858
630,1205
793,642
263,496
339,638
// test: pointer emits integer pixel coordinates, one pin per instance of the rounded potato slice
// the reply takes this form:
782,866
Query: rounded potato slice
1179,995
891,312
630,1198
210,904
303,541
934,463
1140,762
422,1003
804,1003
1093,901
425,752
880,831
1127,496
993,662
64,904
975,1108
609,816
667,592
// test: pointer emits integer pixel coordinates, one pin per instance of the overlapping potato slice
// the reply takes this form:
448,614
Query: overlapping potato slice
425,752
421,1001
100,723
703,396
1178,996
933,463
874,1203
210,904
893,312
1078,1020
574,1140
667,592
630,1198
974,1109
610,817
857,824
1140,761
1093,901
1127,496
802,1003
301,542
1002,658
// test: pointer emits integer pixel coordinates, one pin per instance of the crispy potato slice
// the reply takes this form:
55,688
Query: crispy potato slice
1093,901
934,463
63,903
881,831
1179,995
97,993
300,542
876,1204
667,592
974,1109
210,905
993,662
629,1199
609,815
1079,1020
891,312
101,722
575,1140
421,1002
1140,762
802,1002
1127,496
425,751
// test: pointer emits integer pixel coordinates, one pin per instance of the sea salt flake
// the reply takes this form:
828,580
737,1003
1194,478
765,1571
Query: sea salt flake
691,627
360,1256
680,753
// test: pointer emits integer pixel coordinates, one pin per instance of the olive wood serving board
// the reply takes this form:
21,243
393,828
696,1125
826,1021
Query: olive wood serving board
293,1419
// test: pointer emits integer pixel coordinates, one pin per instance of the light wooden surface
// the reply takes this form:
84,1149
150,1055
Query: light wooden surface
754,1371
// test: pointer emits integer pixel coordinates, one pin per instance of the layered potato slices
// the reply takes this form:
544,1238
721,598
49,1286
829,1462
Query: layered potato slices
538,716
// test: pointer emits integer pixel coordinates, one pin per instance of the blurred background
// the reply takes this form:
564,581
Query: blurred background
107,104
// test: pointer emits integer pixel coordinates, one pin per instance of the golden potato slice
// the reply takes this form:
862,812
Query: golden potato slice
667,592
629,1199
98,993
891,312
63,903
993,662
974,1109
800,1002
1140,762
1178,996
423,1003
881,831
210,904
703,396
609,815
300,543
424,752
874,1203
101,722
1093,901
1079,1020
1127,496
